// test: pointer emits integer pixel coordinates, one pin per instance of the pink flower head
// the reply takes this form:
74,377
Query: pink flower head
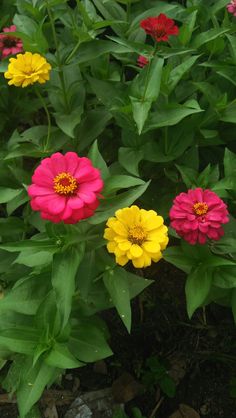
142,61
198,215
65,188
10,45
159,27
231,7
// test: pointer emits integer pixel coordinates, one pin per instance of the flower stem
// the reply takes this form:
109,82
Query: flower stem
59,63
47,114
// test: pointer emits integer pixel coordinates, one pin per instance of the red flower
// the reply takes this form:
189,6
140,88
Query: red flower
160,27
142,61
198,215
10,45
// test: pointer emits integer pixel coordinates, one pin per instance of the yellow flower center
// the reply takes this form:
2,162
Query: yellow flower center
65,184
200,208
137,235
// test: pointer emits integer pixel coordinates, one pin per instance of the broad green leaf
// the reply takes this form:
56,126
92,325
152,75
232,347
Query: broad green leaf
87,342
145,89
68,123
33,384
21,340
229,163
136,284
121,181
116,284
178,72
11,226
187,28
27,294
60,356
64,268
208,36
98,161
197,287
233,303
225,277
108,208
47,244
130,158
171,114
7,194
176,256
92,126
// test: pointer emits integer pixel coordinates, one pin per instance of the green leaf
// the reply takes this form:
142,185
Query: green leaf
108,208
87,342
130,158
136,284
118,182
116,283
33,384
233,303
178,72
145,90
187,28
229,163
178,258
225,277
47,244
171,114
11,226
68,123
60,356
19,339
7,194
27,294
92,126
98,160
208,36
197,287
64,268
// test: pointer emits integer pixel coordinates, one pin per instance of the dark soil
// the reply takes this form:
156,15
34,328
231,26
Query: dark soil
199,353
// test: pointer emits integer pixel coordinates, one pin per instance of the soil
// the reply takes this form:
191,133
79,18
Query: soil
199,353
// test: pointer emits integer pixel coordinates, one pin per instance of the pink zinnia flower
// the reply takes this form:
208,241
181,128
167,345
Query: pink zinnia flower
231,7
159,27
198,215
65,188
142,61
10,45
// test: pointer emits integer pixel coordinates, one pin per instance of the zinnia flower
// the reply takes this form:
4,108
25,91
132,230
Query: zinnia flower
27,69
142,61
198,215
136,234
65,188
231,7
160,27
10,45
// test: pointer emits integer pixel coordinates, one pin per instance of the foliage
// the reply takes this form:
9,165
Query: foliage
153,133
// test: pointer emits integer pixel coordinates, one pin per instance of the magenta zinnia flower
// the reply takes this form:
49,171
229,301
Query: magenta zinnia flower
65,188
142,61
231,7
10,45
198,215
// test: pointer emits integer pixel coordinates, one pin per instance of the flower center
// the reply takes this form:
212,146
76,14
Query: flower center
159,31
65,184
137,235
9,42
200,208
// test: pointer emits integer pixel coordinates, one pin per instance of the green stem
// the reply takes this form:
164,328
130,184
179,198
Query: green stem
59,63
73,52
47,114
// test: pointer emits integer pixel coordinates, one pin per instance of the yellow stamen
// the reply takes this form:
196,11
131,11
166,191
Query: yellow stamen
65,184
200,208
137,235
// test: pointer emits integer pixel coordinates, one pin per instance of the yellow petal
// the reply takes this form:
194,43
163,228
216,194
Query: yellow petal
122,260
111,246
125,245
157,257
139,262
151,246
109,234
135,251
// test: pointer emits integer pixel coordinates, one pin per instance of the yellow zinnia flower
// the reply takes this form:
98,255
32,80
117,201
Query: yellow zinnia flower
136,234
27,69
